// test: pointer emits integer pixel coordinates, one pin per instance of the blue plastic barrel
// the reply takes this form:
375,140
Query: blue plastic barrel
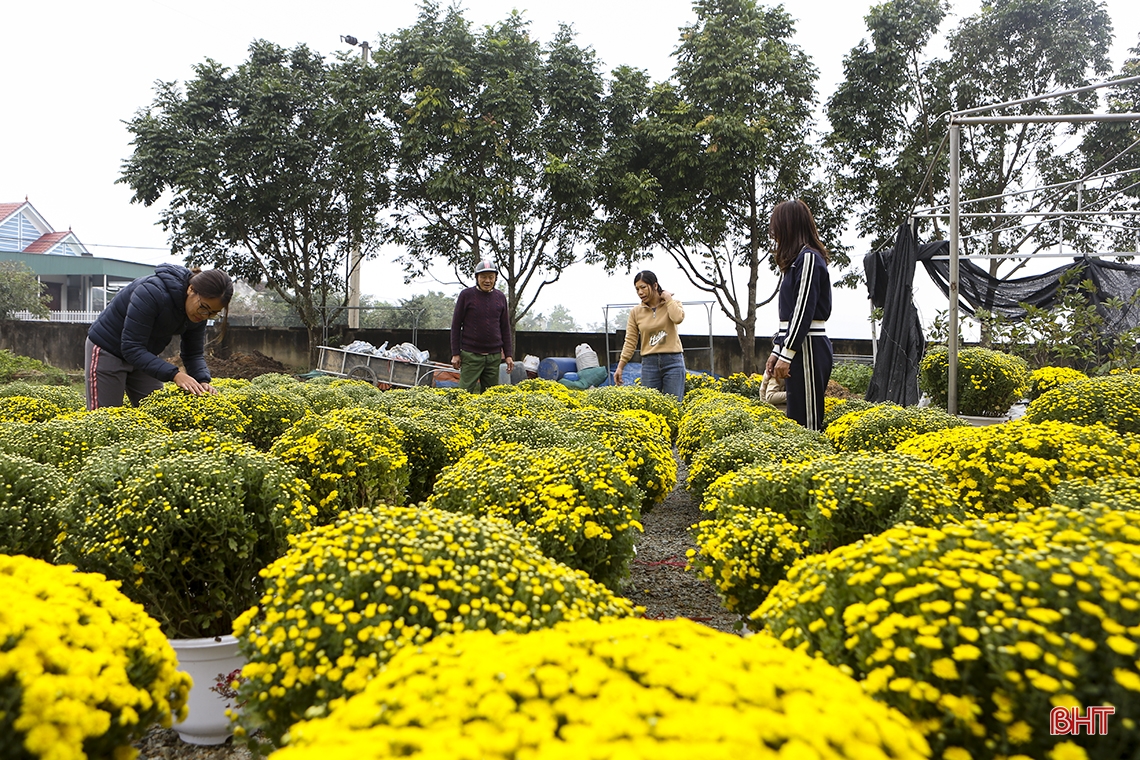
554,367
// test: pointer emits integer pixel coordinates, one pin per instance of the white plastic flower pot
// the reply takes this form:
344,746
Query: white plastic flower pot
978,421
205,660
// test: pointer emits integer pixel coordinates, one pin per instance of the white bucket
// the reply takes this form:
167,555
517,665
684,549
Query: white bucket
205,660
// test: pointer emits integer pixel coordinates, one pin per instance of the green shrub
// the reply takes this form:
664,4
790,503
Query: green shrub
977,631
1017,465
646,454
695,381
885,426
1113,401
580,506
67,441
989,382
534,433
351,458
1115,492
756,446
626,397
270,413
839,498
15,367
1047,378
29,515
715,415
853,376
844,406
185,525
274,380
431,442
321,399
180,411
388,579
744,553
742,385
26,409
67,399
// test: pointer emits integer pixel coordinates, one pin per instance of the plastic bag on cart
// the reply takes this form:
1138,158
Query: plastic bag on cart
406,352
364,347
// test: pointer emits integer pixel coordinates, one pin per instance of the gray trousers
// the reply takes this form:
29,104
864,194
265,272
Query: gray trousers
108,377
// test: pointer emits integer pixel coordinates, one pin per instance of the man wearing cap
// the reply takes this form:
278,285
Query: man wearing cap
481,332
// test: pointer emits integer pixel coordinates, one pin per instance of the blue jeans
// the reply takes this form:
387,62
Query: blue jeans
665,373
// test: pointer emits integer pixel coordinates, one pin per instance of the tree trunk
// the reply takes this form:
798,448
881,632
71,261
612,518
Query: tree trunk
746,336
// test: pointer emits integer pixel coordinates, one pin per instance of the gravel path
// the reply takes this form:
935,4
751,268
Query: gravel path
658,582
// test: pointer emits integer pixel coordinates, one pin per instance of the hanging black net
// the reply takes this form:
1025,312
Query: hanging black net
890,280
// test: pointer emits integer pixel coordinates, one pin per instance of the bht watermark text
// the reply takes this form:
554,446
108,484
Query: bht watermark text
1068,720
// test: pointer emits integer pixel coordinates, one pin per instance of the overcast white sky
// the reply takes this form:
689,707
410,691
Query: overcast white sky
75,69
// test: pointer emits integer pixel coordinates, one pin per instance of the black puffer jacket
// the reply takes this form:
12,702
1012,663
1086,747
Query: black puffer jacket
142,318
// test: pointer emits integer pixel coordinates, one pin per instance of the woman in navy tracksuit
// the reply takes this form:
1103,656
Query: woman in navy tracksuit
122,347
802,352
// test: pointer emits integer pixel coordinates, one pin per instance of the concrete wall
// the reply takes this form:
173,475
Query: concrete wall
61,344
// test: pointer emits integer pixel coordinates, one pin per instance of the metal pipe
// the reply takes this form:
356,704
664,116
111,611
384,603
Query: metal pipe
1036,98
1019,214
1014,193
1048,118
952,338
1011,256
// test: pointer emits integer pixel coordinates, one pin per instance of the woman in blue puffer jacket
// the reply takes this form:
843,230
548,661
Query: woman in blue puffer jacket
122,347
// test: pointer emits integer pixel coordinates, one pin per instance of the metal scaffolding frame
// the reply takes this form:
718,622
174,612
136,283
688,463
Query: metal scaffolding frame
967,117
606,327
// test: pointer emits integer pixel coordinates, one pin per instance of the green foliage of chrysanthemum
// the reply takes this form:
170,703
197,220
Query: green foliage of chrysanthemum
744,553
571,397
837,408
385,580
615,689
713,415
1017,465
66,441
1113,401
742,384
357,390
274,379
1046,379
351,458
27,409
625,397
854,376
67,399
977,631
885,426
514,403
185,524
534,433
644,452
179,411
432,442
989,382
228,384
1115,492
839,498
579,505
270,413
320,398
29,516
695,381
756,446
84,672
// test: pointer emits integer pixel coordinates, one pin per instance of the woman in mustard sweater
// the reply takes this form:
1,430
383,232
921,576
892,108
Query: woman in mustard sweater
655,321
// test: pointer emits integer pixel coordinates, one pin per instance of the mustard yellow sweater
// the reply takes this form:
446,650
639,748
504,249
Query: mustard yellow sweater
657,329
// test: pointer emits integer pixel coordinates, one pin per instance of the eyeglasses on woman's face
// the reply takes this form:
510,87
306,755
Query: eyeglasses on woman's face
205,310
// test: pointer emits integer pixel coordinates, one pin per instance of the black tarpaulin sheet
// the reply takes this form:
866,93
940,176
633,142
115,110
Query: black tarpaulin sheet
890,282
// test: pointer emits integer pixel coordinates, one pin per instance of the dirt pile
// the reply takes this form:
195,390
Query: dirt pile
240,366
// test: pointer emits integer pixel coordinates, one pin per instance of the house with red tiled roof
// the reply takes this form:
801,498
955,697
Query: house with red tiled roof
77,281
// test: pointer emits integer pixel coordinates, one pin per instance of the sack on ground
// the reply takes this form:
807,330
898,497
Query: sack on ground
585,356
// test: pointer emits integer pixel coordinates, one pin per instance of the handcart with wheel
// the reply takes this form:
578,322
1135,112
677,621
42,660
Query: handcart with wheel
380,371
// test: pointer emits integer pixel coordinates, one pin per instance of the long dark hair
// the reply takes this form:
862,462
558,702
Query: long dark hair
213,283
649,279
793,228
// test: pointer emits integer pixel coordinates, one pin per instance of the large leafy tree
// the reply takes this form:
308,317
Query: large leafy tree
499,139
273,171
709,153
888,124
885,129
21,290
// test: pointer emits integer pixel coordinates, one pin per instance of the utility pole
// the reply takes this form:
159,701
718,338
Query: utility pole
355,257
